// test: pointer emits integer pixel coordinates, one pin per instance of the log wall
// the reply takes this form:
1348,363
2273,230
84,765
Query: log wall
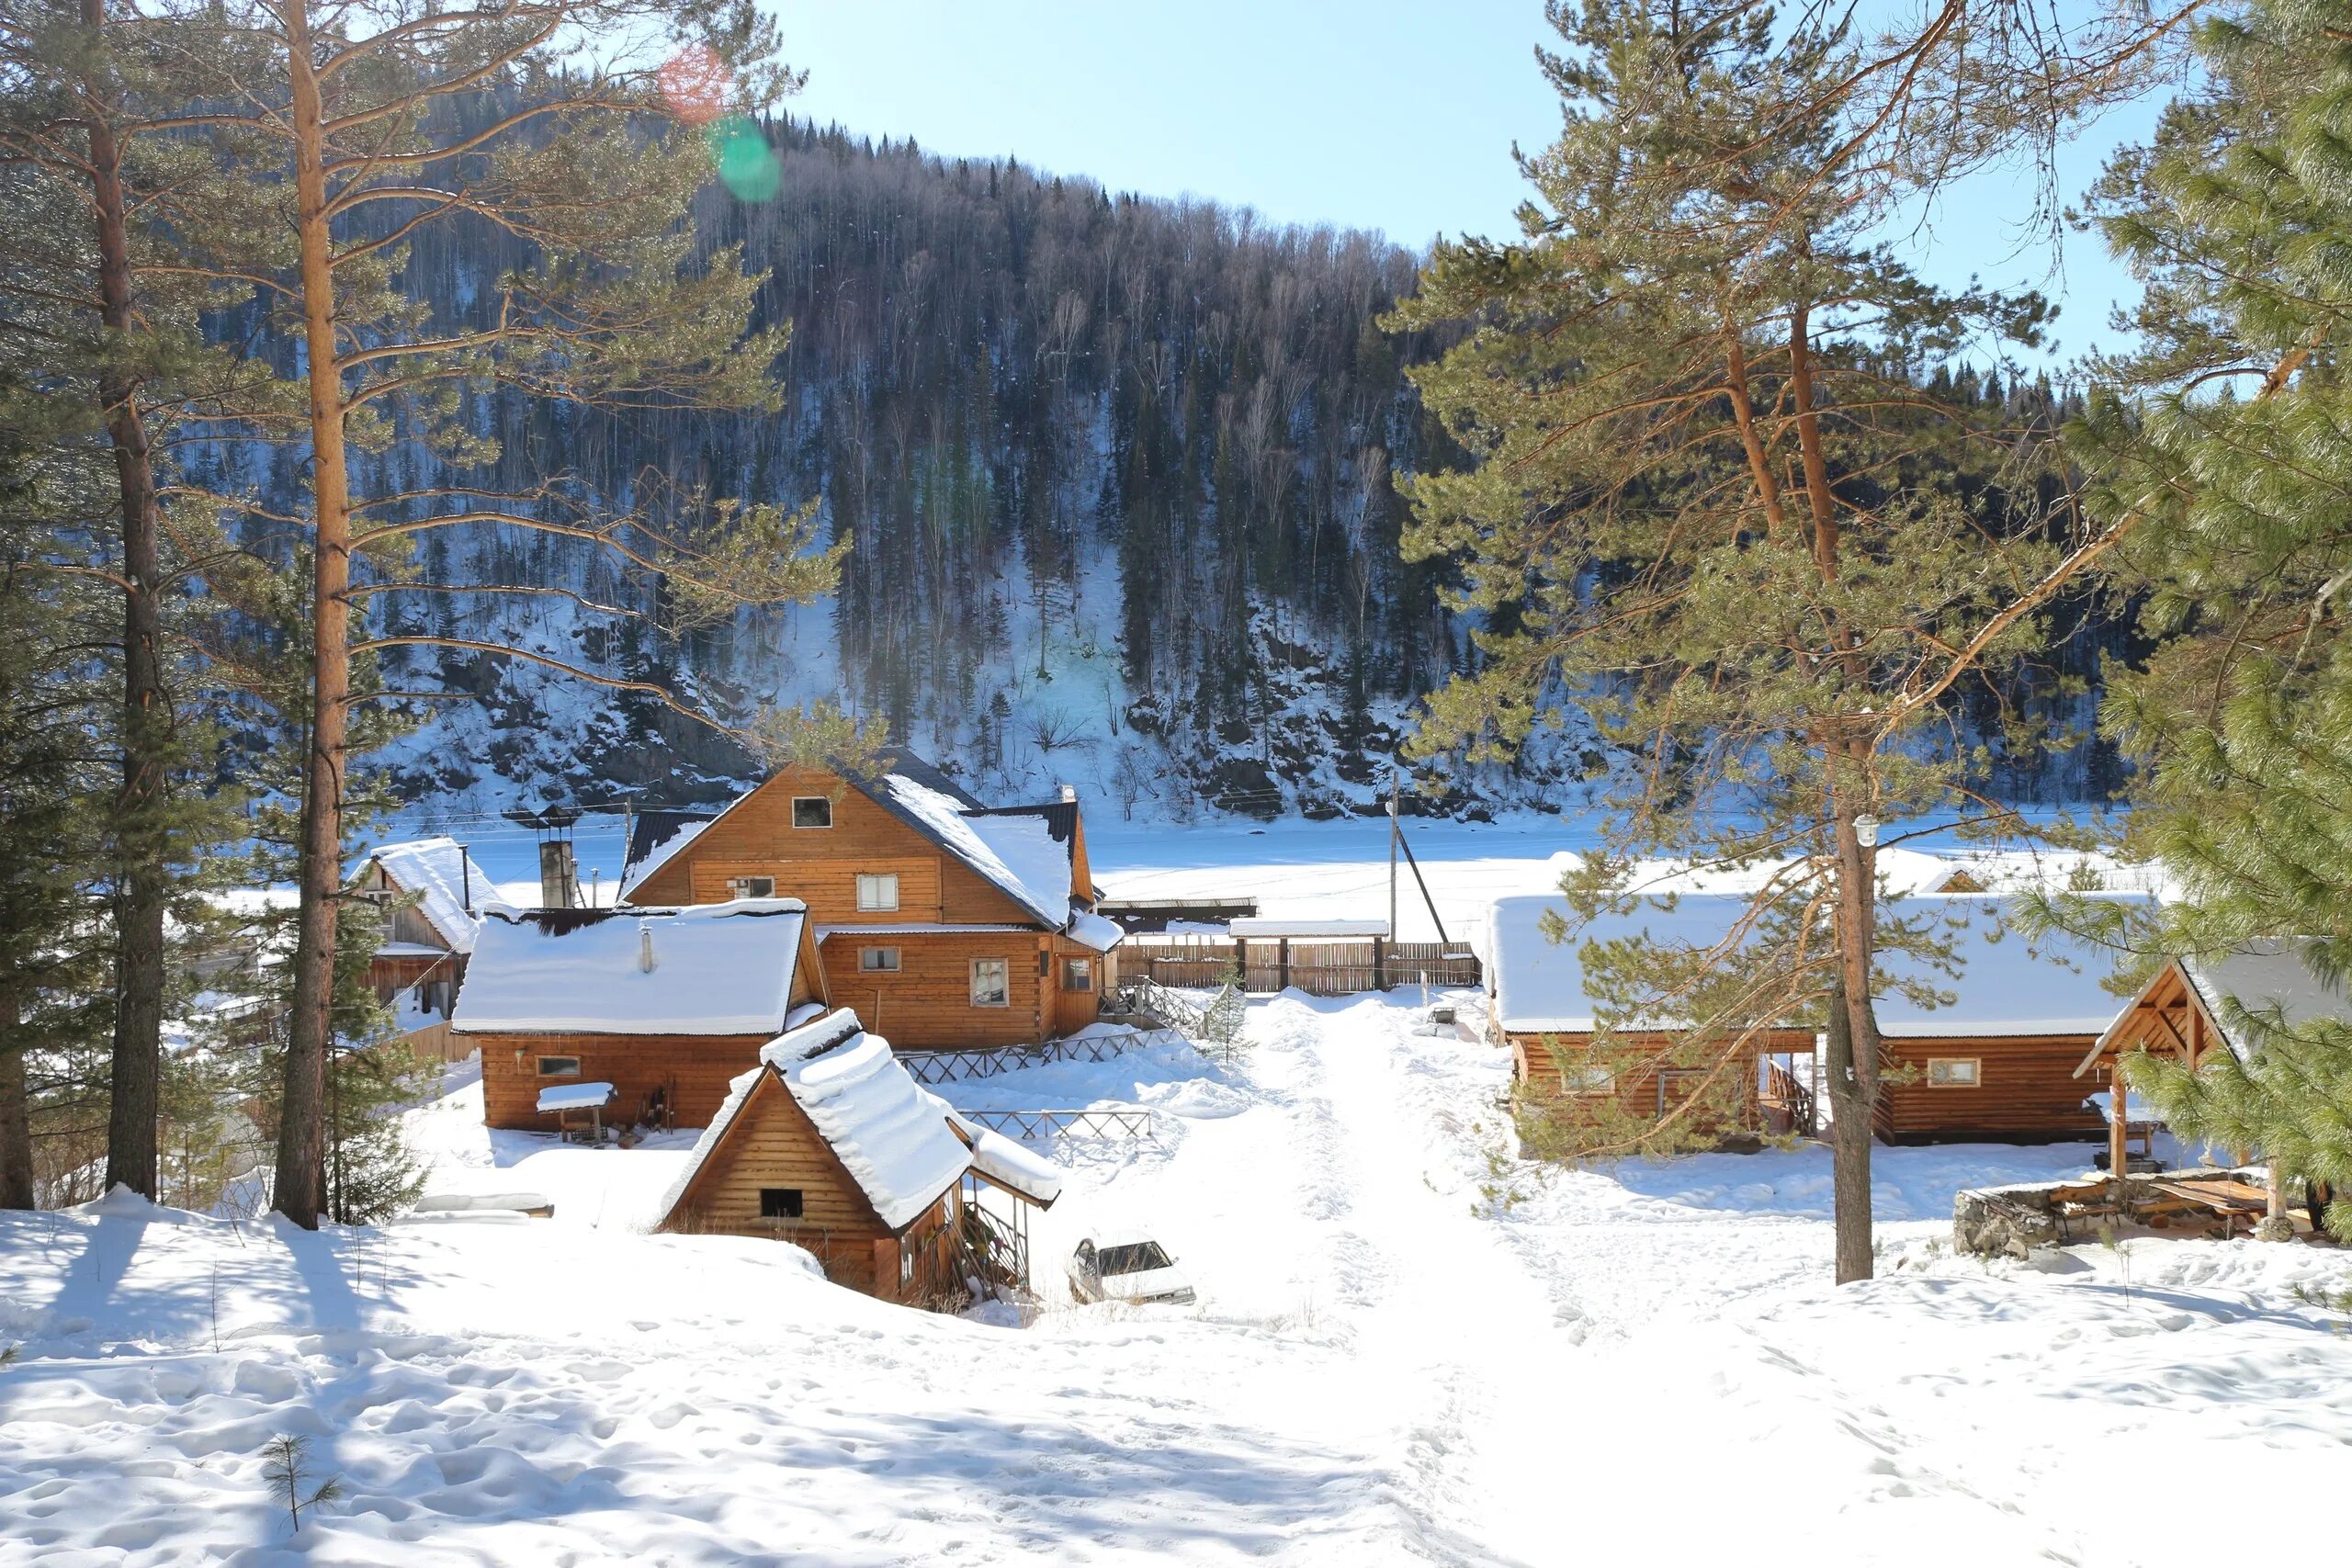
2026,1092
694,1069
927,1003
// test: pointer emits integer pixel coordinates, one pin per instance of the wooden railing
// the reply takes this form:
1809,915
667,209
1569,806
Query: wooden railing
1040,1126
1782,1088
949,1066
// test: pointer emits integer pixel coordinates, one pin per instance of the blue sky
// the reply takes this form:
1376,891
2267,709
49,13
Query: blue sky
1379,114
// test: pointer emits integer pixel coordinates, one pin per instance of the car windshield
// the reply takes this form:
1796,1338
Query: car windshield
1132,1258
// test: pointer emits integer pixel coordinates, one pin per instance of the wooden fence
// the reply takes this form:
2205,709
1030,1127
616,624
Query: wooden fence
1320,967
434,1042
988,1062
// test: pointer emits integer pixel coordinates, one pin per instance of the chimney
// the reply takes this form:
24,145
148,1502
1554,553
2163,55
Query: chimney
647,959
1069,794
466,876
558,886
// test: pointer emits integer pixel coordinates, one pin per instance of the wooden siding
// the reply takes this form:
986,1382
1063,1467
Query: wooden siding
820,865
927,1003
692,1069
772,1142
2026,1092
1535,1071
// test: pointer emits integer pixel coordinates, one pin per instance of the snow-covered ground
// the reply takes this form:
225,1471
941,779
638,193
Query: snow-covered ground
1409,1347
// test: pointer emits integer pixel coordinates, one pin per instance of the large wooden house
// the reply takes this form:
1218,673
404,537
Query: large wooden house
948,923
829,1143
668,1005
1995,1061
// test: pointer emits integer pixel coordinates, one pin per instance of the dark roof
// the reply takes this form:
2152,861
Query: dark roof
648,831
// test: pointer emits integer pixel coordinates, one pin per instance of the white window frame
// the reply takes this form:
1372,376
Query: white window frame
742,888
866,957
1939,1072
800,800
1004,983
871,886
571,1072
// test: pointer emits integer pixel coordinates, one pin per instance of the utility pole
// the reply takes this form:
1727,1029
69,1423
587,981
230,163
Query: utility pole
1393,788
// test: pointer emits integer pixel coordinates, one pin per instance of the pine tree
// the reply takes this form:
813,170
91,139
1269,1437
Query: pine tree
1710,502
2231,430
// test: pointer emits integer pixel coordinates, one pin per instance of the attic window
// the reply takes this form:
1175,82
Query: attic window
1953,1072
753,888
780,1203
877,891
812,811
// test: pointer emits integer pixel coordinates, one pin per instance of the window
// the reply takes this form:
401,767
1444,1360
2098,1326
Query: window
812,811
879,960
1078,974
753,888
559,1066
878,890
779,1202
1588,1080
991,982
1952,1072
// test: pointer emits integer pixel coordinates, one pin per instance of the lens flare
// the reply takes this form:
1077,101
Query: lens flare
747,165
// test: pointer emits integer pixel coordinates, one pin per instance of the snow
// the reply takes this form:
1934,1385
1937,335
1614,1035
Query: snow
2006,985
2262,976
943,817
719,969
575,1096
1013,1165
1026,845
445,879
1092,930
1409,1347
1271,925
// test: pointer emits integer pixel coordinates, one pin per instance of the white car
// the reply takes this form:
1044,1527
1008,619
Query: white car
1125,1265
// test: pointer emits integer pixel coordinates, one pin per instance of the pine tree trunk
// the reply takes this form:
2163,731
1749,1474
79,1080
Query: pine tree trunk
139,841
301,1131
1853,1052
16,1124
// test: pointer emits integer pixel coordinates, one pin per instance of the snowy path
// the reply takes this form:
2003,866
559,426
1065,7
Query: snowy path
1409,1349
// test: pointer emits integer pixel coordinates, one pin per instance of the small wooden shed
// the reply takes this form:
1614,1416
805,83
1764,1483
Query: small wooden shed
668,1005
829,1143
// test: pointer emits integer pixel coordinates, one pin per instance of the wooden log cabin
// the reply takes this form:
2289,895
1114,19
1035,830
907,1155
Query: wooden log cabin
829,1144
667,1005
1538,1007
1995,1062
432,893
2194,1010
948,923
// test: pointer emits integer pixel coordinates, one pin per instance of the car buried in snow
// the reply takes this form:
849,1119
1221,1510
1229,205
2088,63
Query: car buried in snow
1125,1265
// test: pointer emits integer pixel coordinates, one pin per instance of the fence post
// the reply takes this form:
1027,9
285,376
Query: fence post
1282,964
1379,965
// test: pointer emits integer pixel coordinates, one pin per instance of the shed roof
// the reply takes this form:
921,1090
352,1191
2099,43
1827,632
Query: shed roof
449,887
717,969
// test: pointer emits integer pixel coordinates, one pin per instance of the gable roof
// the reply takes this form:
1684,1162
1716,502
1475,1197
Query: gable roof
1027,853
2260,976
444,879
893,1137
718,969
2008,986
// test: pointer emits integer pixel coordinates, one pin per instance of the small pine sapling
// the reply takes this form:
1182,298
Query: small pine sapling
285,1466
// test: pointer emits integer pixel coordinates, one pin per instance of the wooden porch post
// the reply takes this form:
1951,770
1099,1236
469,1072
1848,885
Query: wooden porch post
2277,1225
2119,1131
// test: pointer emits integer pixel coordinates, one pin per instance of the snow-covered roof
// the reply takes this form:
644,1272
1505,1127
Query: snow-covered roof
717,969
2006,985
974,840
574,1096
2261,976
1276,925
446,880
1011,1164
1090,930
654,840
891,1134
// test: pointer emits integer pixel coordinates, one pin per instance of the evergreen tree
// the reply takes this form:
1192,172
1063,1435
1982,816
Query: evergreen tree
2229,432
1710,500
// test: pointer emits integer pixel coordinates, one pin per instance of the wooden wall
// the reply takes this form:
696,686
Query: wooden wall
695,1068
2026,1092
774,1144
927,1004
1536,1074
820,865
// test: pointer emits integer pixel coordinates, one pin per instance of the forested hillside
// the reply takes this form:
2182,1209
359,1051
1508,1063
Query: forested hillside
1118,477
